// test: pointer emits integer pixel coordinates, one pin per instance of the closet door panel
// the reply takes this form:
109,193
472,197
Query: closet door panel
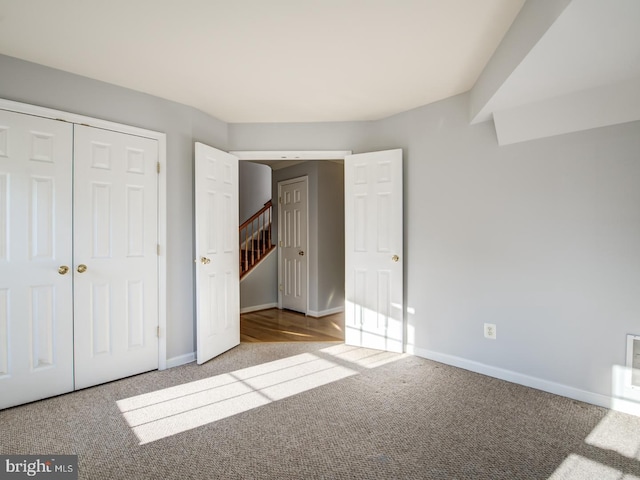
115,250
36,317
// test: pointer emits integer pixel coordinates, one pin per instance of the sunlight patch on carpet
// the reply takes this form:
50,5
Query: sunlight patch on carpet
618,433
577,467
170,411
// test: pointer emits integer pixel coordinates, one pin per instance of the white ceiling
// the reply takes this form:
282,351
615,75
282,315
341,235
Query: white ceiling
267,60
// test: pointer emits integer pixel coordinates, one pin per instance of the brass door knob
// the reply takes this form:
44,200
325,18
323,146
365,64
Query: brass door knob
395,258
81,268
63,269
301,253
205,260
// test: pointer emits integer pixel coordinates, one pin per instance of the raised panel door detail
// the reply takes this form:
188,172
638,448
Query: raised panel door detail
42,218
42,326
101,220
383,295
297,234
100,319
135,221
360,176
287,228
213,317
228,227
41,147
101,156
227,288
228,173
211,169
360,297
384,172
360,223
298,278
4,331
4,141
135,161
211,243
4,217
384,216
288,276
135,313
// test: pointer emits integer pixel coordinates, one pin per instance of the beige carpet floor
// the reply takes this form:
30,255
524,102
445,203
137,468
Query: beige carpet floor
325,411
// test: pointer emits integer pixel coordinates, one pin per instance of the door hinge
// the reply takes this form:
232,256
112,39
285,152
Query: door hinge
158,331
280,288
158,167
279,199
281,243
158,249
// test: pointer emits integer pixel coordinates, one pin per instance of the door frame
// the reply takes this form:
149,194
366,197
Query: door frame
305,180
29,109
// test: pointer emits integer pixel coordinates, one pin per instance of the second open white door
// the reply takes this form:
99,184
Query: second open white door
373,250
217,252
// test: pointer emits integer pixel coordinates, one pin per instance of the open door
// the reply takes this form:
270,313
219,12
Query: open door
217,250
373,250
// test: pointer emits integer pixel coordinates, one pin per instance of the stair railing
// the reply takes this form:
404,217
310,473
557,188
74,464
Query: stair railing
255,238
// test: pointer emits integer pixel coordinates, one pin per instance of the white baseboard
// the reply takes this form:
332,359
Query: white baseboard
255,308
621,405
181,360
324,313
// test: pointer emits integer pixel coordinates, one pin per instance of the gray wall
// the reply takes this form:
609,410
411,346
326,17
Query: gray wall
255,188
541,238
38,85
259,288
330,236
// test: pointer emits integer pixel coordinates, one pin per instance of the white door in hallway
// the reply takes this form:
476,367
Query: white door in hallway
293,245
218,252
374,315
36,322
115,255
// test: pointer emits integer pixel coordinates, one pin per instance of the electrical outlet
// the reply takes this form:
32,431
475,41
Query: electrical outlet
490,331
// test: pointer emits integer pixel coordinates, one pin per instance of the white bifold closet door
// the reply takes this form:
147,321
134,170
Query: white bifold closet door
78,257
36,309
115,219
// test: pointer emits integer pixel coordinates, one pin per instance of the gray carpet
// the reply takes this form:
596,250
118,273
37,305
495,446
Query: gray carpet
409,418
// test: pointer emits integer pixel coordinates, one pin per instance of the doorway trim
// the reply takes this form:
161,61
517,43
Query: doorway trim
60,115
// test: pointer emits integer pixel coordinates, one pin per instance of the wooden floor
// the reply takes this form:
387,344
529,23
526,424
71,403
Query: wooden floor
275,325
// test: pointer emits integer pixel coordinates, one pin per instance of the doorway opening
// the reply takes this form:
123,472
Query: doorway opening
264,315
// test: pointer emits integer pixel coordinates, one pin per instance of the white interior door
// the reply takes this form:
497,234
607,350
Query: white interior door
36,322
293,195
373,250
218,252
115,255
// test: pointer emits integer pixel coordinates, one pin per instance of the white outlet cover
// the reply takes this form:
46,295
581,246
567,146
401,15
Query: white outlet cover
490,331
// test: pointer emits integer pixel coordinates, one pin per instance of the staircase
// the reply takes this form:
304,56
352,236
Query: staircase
255,239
